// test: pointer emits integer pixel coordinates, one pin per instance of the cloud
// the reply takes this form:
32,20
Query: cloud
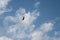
37,4
3,6
37,35
9,19
21,11
5,38
29,16
3,3
41,34
26,28
21,28
12,29
46,27
22,35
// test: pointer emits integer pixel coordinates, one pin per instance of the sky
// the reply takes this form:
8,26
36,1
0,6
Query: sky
41,20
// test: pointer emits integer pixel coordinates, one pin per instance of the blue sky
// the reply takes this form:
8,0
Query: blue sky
42,20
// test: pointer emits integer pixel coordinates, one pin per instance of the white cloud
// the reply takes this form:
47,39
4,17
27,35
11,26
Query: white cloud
9,19
21,27
5,38
46,27
3,6
29,16
12,29
42,35
21,11
3,3
37,35
37,4
22,35
28,19
25,28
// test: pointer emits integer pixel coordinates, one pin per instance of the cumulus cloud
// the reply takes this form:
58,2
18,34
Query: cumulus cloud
21,28
3,6
9,19
46,26
37,35
26,28
42,35
21,11
12,29
22,35
3,3
5,38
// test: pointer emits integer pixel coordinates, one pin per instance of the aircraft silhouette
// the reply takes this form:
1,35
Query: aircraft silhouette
23,18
